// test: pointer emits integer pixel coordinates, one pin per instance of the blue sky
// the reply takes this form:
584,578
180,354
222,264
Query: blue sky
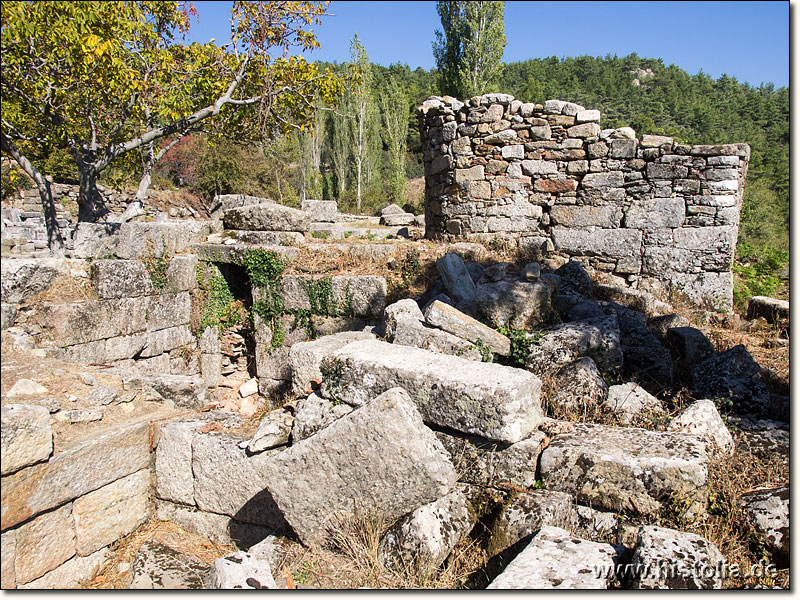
746,40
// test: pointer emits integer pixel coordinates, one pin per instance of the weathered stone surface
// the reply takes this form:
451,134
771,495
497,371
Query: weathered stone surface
184,390
105,515
598,338
121,279
611,243
164,340
594,523
627,469
74,472
655,141
26,436
227,481
767,513
78,415
770,309
274,430
173,462
102,396
586,116
669,559
266,217
586,215
663,323
410,331
70,574
220,529
585,130
8,554
497,402
453,321
357,295
159,567
702,419
240,571
733,375
43,544
380,456
427,536
574,276
556,560
26,387
456,279
527,513
306,357
637,300
629,401
522,304
321,211
8,315
578,388
689,345
182,273
23,278
611,179
315,413
656,213
136,240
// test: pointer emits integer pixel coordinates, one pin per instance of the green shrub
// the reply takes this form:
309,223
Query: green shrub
758,272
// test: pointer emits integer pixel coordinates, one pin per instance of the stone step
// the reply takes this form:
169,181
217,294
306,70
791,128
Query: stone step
486,399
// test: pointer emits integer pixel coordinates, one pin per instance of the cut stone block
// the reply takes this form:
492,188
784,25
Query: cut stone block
105,515
321,211
556,560
220,529
351,295
174,480
527,514
628,469
8,554
767,513
456,279
379,457
674,560
770,309
75,472
227,481
689,345
43,544
411,331
274,430
453,321
182,273
306,357
240,571
267,217
522,304
26,436
23,278
70,574
494,401
733,375
121,279
702,420
184,390
578,388
629,400
315,413
427,536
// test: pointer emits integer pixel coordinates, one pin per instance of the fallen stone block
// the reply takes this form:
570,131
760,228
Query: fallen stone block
184,390
380,457
767,513
240,571
347,295
594,523
526,514
522,304
79,415
663,323
410,331
494,401
23,278
8,315
159,567
556,560
27,437
689,346
732,375
266,217
173,462
702,420
578,388
598,338
638,300
771,309
575,277
669,559
305,357
456,279
425,538
315,413
274,430
26,387
628,469
629,401
8,555
321,211
453,321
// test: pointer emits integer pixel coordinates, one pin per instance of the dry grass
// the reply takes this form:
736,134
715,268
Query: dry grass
64,290
124,551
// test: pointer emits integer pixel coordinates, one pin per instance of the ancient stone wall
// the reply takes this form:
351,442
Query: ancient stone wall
653,214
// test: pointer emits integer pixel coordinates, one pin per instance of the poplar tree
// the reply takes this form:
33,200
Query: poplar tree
363,111
394,107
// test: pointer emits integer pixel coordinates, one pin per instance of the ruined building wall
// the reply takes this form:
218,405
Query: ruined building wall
653,214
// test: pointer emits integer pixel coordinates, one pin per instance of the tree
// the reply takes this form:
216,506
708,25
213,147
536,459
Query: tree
363,116
107,78
394,107
470,46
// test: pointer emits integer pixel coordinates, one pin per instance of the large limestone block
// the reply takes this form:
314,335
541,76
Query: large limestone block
379,457
306,357
267,217
628,469
674,560
767,513
182,273
611,243
453,321
228,481
598,338
357,295
427,536
656,213
527,513
120,279
75,472
8,554
240,571
321,211
82,322
70,574
220,529
23,278
733,375
26,437
702,419
136,240
629,401
556,560
494,401
43,544
105,515
456,278
184,390
523,304
586,215
771,309
411,331
174,480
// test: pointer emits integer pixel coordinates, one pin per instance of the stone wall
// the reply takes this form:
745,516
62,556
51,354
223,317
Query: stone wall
653,214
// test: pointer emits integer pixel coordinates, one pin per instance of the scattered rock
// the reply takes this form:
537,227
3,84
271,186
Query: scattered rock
702,419
770,309
522,304
240,571
768,514
315,413
248,388
78,415
26,387
87,378
159,567
103,396
531,271
527,513
578,388
732,375
459,324
456,279
630,400
274,430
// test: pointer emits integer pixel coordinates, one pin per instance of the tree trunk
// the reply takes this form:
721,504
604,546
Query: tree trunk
91,205
136,206
55,241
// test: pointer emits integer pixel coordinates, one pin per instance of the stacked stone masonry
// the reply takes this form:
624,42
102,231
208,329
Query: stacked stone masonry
658,215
